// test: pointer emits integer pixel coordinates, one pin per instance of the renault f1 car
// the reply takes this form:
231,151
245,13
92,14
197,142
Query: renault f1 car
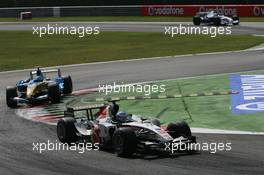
123,133
40,86
214,18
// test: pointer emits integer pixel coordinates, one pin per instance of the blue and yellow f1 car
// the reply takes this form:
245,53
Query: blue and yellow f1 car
42,85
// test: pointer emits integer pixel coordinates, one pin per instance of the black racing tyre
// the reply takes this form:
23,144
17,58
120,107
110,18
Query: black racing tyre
179,129
196,20
124,142
66,130
235,18
54,93
217,21
67,85
11,92
155,122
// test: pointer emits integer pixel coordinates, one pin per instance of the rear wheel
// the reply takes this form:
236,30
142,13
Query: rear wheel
66,130
124,142
179,129
196,21
67,85
217,21
54,93
11,93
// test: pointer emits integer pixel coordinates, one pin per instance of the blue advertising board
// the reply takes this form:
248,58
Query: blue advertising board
250,96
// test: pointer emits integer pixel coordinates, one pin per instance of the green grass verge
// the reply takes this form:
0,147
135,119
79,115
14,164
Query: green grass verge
207,112
121,18
21,49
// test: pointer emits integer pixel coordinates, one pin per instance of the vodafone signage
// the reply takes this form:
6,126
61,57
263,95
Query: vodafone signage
191,10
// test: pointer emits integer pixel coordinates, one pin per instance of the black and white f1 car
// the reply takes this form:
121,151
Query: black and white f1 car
214,18
123,133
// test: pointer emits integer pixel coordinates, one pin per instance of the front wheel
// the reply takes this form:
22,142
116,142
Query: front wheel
11,93
66,130
179,129
54,93
67,85
235,18
124,142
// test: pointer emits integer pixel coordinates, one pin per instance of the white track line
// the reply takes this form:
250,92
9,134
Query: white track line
220,131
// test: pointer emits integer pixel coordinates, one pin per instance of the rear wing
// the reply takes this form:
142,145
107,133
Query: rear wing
201,14
70,112
34,72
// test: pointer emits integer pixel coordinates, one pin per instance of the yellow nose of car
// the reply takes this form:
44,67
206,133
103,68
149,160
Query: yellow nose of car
36,88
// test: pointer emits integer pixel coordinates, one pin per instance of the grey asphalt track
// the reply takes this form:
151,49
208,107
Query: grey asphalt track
243,28
17,134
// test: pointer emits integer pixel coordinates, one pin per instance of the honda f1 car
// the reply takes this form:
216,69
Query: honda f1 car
214,18
123,133
40,86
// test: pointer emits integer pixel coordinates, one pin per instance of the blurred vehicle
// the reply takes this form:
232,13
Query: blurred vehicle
214,18
41,86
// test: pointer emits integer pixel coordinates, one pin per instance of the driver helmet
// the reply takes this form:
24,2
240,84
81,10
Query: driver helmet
39,73
122,117
39,77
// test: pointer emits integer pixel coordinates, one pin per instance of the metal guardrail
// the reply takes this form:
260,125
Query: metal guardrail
133,10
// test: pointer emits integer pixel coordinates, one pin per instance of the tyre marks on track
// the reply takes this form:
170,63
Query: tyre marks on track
49,113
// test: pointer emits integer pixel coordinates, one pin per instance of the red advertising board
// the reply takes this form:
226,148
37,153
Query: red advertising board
191,10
